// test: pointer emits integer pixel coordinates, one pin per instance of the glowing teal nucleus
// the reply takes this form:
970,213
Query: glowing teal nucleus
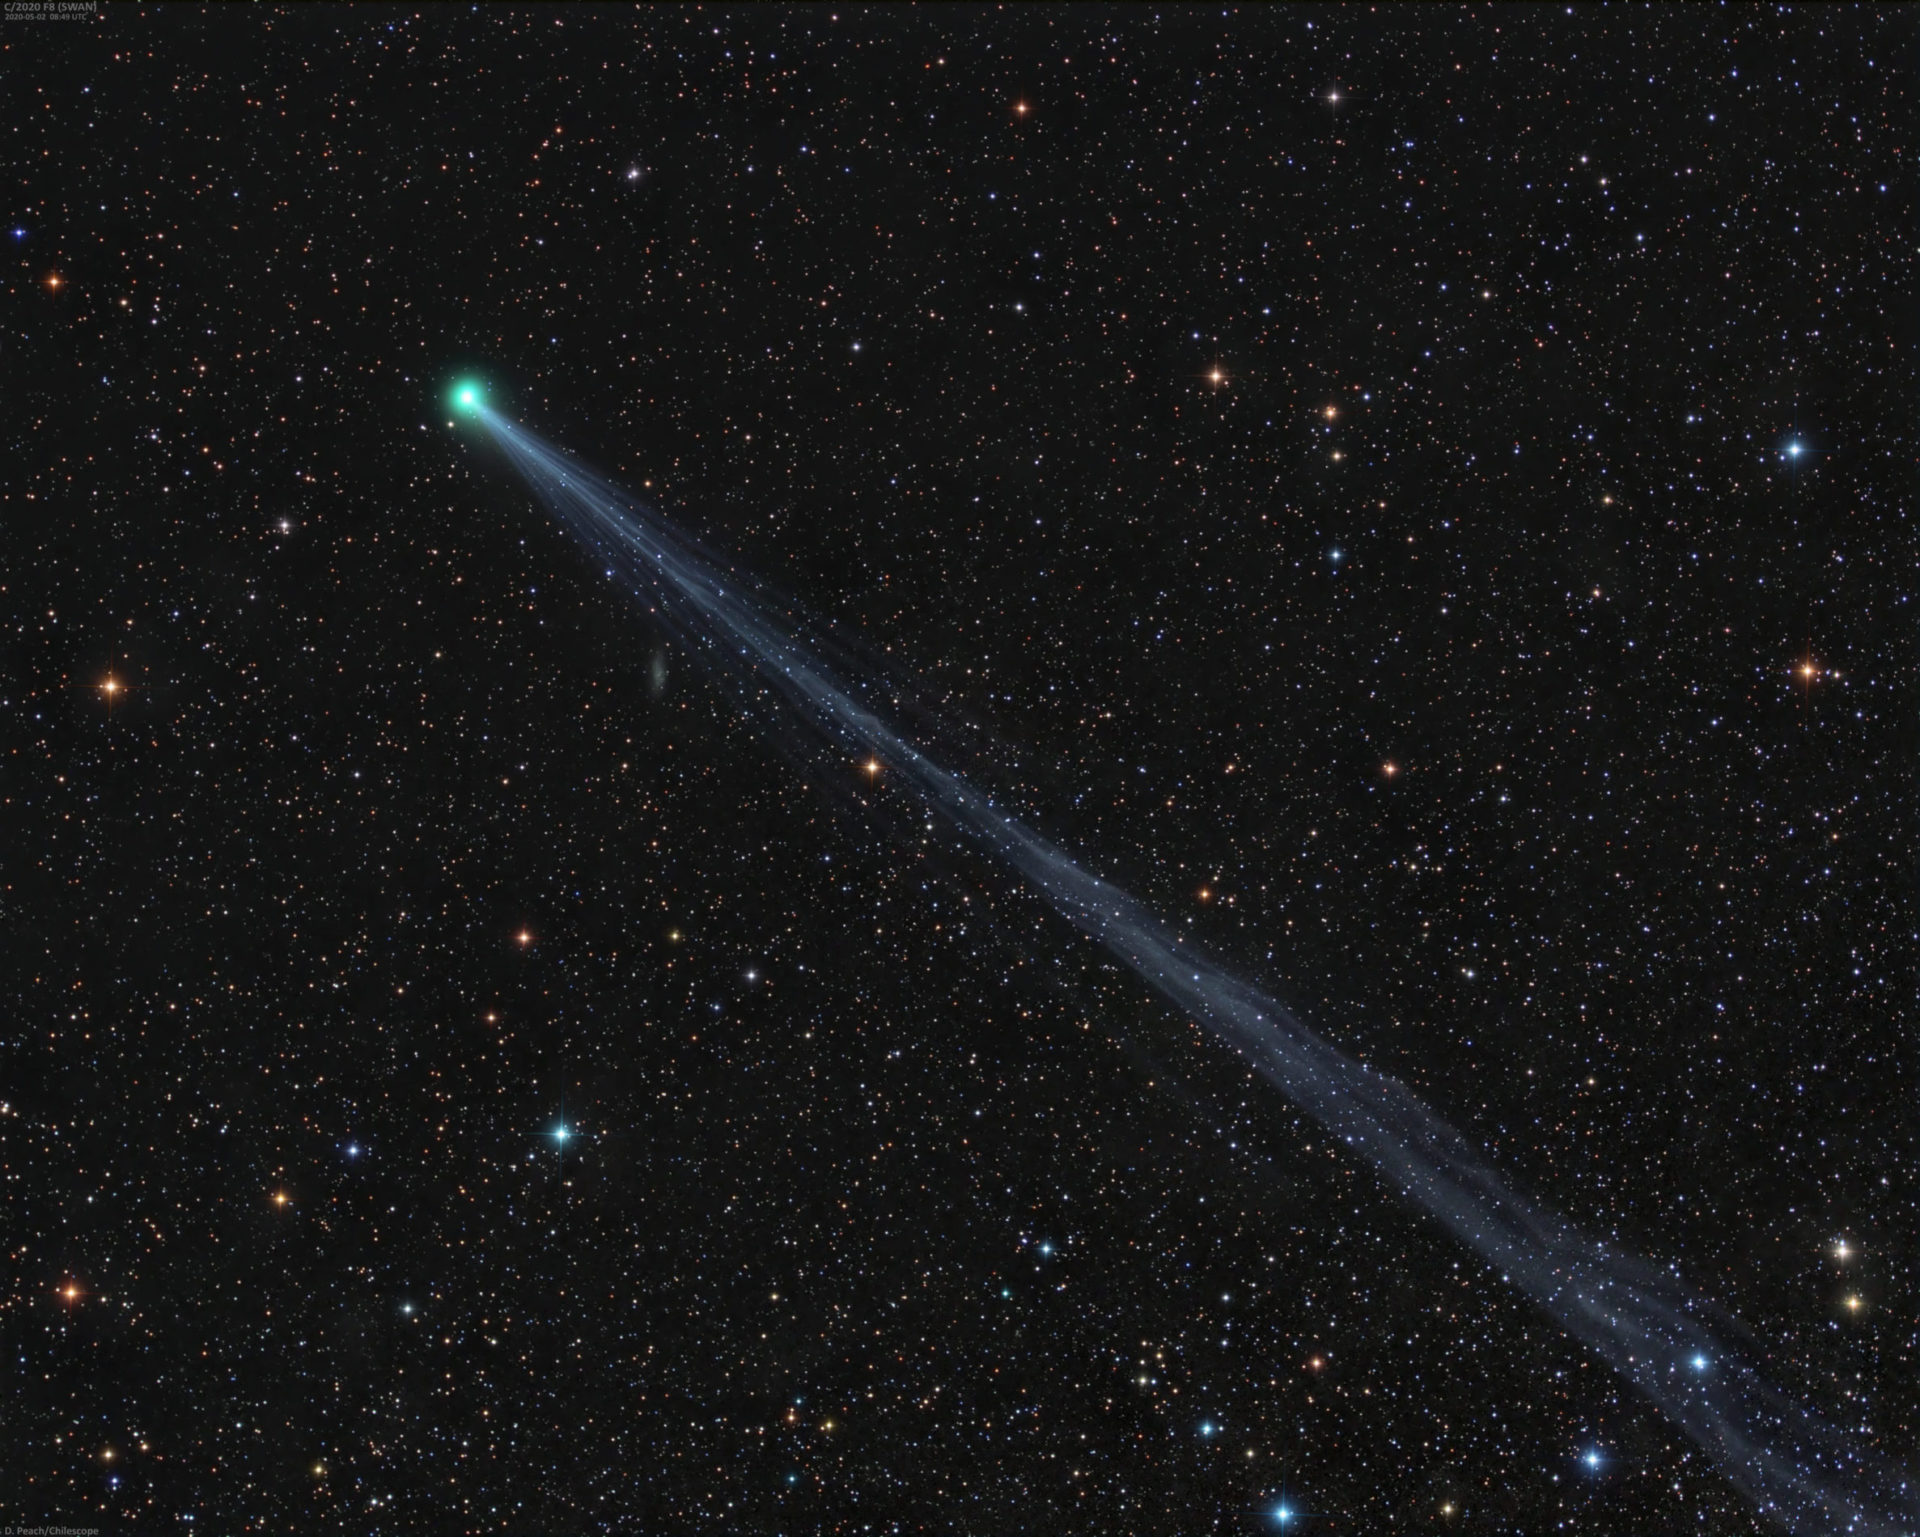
467,396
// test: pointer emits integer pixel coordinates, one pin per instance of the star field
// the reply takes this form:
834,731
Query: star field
1419,496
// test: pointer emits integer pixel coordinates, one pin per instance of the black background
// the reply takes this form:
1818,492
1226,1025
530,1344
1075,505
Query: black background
1007,341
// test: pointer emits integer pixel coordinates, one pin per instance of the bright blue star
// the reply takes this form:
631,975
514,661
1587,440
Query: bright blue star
1699,1363
1206,1427
353,1149
560,1134
1795,450
1283,1515
1046,1248
1592,1459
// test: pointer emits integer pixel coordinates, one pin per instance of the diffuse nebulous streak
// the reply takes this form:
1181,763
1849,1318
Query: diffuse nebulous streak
1669,1343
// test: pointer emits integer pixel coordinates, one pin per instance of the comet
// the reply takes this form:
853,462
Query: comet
1686,1356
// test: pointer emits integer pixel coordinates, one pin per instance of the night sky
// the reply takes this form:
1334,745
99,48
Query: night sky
1419,496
